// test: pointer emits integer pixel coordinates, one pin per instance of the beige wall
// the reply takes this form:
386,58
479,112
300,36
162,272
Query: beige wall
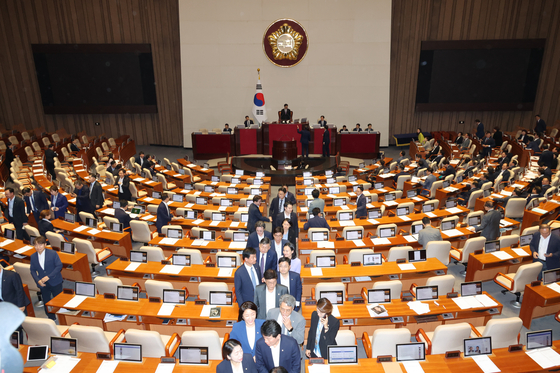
344,76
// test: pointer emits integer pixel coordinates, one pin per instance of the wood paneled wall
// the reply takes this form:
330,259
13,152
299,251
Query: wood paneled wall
414,21
26,22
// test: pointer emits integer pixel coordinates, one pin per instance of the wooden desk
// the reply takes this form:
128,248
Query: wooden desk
538,301
358,144
204,173
483,267
210,146
531,217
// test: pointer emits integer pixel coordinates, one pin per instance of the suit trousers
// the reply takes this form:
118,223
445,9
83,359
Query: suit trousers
326,150
305,150
49,292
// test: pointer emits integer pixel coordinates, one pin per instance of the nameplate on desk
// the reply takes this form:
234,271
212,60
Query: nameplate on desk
384,359
514,348
309,265
407,298
340,238
154,299
167,360
396,319
400,261
210,265
68,291
358,301
347,321
164,261
316,360
103,355
109,296
200,302
452,354
452,295
355,264
124,259
310,302
535,283
305,240
227,239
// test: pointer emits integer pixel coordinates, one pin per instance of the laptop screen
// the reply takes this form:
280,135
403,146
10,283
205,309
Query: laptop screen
426,292
539,339
417,255
201,201
215,179
374,214
525,239
68,247
193,355
240,236
331,180
342,354
138,256
416,228
372,259
174,233
334,190
474,220
209,235
231,190
378,185
259,174
174,296
218,216
379,295
339,201
117,227
411,193
352,178
226,262
328,172
306,174
181,260
64,346
235,180
307,181
116,205
345,216
447,225
336,297
353,234
92,223
491,246
177,198
127,352
387,232
450,203
156,195
478,346
220,298
37,353
551,276
85,288
239,172
319,236
255,191
189,214
428,207
308,191
325,261
208,189
411,352
225,202
401,211
390,196
127,292
69,218
471,288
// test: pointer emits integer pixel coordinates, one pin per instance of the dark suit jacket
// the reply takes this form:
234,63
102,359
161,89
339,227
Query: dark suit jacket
505,175
61,203
271,260
547,158
12,289
422,163
126,194
53,266
295,286
506,159
248,123
402,173
534,145
316,222
290,197
553,248
239,332
305,136
486,151
18,211
290,355
450,170
490,225
49,157
141,162
430,179
40,202
163,216
248,365
459,140
83,203
285,114
523,139
254,216
321,122
275,207
9,156
540,126
44,227
260,298
123,217
480,130
253,240
326,137
96,195
435,150
277,222
361,206
498,138
327,339
244,285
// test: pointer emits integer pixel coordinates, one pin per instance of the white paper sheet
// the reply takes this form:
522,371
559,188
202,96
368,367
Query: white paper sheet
215,223
325,245
412,367
64,364
168,241
319,368
485,300
75,301
540,211
502,255
316,271
486,364
206,310
198,242
453,232
171,269
109,211
6,242
347,223
405,218
381,241
521,252
107,366
554,287
410,238
358,243
225,272
238,245
165,368
198,221
80,228
147,217
431,215
454,210
23,249
373,221
419,307
417,199
545,357
132,266
166,309
390,203
406,266
94,231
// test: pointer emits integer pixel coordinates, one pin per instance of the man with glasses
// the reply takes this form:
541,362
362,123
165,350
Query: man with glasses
292,323
546,249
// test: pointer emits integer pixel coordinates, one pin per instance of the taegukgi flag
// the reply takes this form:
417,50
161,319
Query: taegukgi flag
259,110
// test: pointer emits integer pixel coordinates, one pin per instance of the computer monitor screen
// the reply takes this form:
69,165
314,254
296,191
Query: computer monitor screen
319,236
390,196
138,256
14,339
239,172
156,195
174,233
201,201
64,346
411,193
174,296
447,225
220,298
401,211
334,190
374,214
342,354
478,346
215,179
427,207
231,190
525,239
308,202
135,211
474,220
372,259
353,234
188,187
240,236
459,179
352,178
69,218
177,197
235,180
328,173
450,203
209,235
539,339
416,228
378,185
446,183
127,293
336,297
92,223
471,288
37,353
190,214
551,276
141,207
127,352
491,246
255,191
426,292
181,260
308,181
260,174
306,174
116,205
117,227
258,182
226,262
379,295
68,248
339,201
331,180
244,217
411,352
208,189
218,216
225,202
308,191
85,288
345,216
325,261
417,255
386,232
193,355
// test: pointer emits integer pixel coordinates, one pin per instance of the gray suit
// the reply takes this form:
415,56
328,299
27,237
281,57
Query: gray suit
429,234
319,202
466,144
298,323
260,298
490,225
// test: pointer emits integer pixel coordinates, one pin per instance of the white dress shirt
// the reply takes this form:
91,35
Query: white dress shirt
270,299
41,258
278,248
285,281
543,246
250,335
276,353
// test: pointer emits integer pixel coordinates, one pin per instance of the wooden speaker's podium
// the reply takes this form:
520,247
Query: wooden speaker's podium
284,153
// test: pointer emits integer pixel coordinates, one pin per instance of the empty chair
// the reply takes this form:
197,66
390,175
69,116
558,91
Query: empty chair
196,232
165,228
515,282
95,256
140,231
107,284
32,231
93,339
382,227
434,202
401,180
164,183
357,255
407,205
155,288
462,255
473,197
399,252
84,215
439,250
223,254
155,254
315,253
210,338
153,343
152,209
530,230
346,338
384,341
444,338
322,287
507,241
196,256
204,289
394,285
504,332
515,208
39,330
444,283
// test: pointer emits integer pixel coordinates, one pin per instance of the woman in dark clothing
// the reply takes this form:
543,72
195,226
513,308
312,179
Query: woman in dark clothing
123,183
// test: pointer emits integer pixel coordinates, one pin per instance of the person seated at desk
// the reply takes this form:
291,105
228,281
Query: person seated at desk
369,128
322,122
112,167
466,144
122,216
322,331
267,295
545,185
402,172
357,128
248,121
459,139
449,169
291,280
275,349
492,173
59,202
402,157
535,193
361,202
247,277
141,159
490,224
255,215
292,323
226,128
523,138
150,163
517,193
471,166
438,157
505,157
498,137
45,225
464,196
487,144
545,249
235,359
247,329
428,233
427,184
291,253
535,144
286,115
435,150
344,128
317,202
547,157
259,233
317,221
278,242
420,162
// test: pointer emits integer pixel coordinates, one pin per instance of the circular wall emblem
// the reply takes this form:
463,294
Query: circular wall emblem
285,42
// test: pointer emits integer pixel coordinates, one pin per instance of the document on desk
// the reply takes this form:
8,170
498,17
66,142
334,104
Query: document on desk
165,368
466,303
358,243
504,223
390,203
351,194
382,190
453,210
545,357
171,269
521,252
110,318
222,208
166,309
206,310
132,266
75,301
373,221
215,223
197,242
347,223
6,242
225,272
419,307
237,245
554,287
94,231
486,364
406,266
539,211
319,368
412,367
168,241
431,215
452,232
304,209
80,228
502,255
147,217
107,366
344,207
411,238
325,245
485,300
417,199
198,221
23,249
381,241
316,271
405,218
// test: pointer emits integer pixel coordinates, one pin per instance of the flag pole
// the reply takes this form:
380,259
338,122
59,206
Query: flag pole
259,72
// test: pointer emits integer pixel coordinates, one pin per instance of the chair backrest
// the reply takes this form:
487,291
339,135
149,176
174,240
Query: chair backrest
196,232
383,226
330,286
24,271
152,344
345,338
385,341
92,338
152,209
357,255
155,288
399,252
524,275
140,231
210,338
472,245
235,255
435,186
530,230
450,337
155,254
444,283
439,250
504,332
434,202
315,253
109,221
408,205
310,231
507,241
451,218
32,231
107,284
39,330
472,199
85,247
196,256
84,215
204,289
165,228
401,180
394,285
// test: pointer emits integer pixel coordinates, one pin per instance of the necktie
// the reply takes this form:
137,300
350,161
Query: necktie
281,205
253,277
317,350
54,201
262,265
32,203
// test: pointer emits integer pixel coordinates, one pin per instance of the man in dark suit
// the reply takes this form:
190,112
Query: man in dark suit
466,144
163,213
361,202
420,162
490,224
435,150
122,216
547,157
479,128
83,202
290,279
286,348
465,196
438,158
497,136
535,193
50,154
247,277
546,248
11,289
287,214
255,214
150,161
95,194
487,144
286,114
226,128
278,204
322,122
535,144
278,242
14,211
326,141
112,167
248,121
317,221
505,157
357,128
59,202
523,137
402,172
45,269
269,288
459,139
545,185
35,202
427,184
141,159
255,238
9,155
266,258
540,125
289,195
449,169
505,172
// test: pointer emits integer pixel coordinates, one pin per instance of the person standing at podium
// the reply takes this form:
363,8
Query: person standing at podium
286,114
326,140
305,138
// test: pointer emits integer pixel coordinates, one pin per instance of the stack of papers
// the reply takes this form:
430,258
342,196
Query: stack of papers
358,243
390,203
454,210
406,266
545,357
166,309
450,189
107,366
405,218
168,241
23,249
344,207
215,223
521,252
6,242
539,211
452,232
132,266
412,367
147,217
382,190
418,199
165,368
373,221
335,311
198,242
206,310
431,215
171,269
94,231
75,301
376,310
237,245
381,241
316,271
504,223
80,228
410,238
419,307
502,255
319,368
109,211
347,223
234,224
198,221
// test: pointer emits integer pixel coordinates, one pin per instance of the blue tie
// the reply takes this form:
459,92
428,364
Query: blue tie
253,277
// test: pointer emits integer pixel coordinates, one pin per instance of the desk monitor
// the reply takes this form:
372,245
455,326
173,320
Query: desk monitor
68,248
239,172
116,205
334,190
220,298
177,198
328,173
128,352
402,211
379,296
244,217
193,355
306,174
215,179
353,234
258,182
459,179
181,260
174,233
182,171
551,276
226,261
474,220
240,236
450,203
471,288
427,207
319,236
218,216
373,259
331,180
411,351
69,218
14,339
201,201
141,207
155,178
85,288
138,256
208,189
447,225
478,346
491,246
235,180
411,193
335,296
37,355
308,181
225,202
256,191
374,213
92,223
387,232
427,292
352,178
156,195
417,256
416,228
339,201
188,186
539,339
209,235
128,293
446,183
174,296
345,216
342,354
308,192
379,185
259,174
10,234
325,261
117,227
190,214
390,196
525,240
232,190
308,202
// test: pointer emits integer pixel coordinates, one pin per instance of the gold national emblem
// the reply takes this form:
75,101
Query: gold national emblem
285,43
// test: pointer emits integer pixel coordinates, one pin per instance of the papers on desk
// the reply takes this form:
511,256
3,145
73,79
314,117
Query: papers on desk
6,242
419,307
353,182
197,193
191,165
390,203
107,366
68,312
73,200
506,193
215,223
140,179
166,309
325,245
23,249
418,199
148,199
454,210
347,223
108,211
222,208
385,176
304,209
517,186
452,232
150,182
316,271
198,221
476,301
405,218
132,266
521,252
319,368
331,195
344,207
411,238
486,364
171,269
206,310
64,364
112,189
189,205
373,221
406,266
370,206
502,255
177,175
379,311
168,241
75,301
165,368
147,217
234,224
225,272
352,194
414,179
382,190
504,223
485,300
80,228
237,245
412,367
554,287
494,195
539,211
545,357
198,242
381,241
358,243
243,209
110,318
362,278
94,231
431,215
450,189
